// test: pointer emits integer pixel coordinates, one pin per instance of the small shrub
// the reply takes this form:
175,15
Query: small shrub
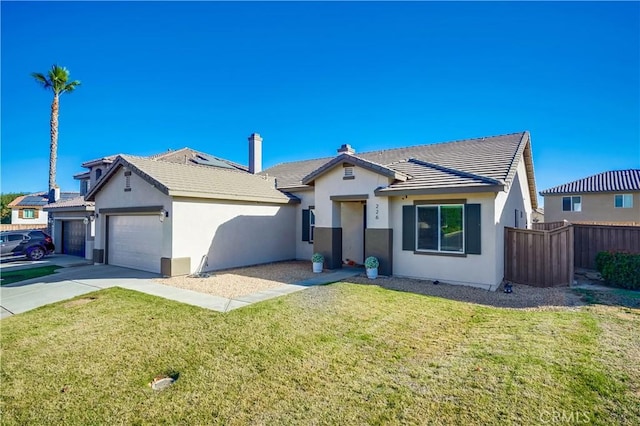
317,258
620,269
371,262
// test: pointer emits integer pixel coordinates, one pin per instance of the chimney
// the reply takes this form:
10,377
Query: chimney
255,153
54,194
346,149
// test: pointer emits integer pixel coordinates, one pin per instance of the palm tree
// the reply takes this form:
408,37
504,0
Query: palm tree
57,79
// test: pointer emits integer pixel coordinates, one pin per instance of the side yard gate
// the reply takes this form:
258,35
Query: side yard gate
547,257
539,258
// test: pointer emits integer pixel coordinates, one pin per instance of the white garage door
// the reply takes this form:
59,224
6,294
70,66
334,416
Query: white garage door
135,242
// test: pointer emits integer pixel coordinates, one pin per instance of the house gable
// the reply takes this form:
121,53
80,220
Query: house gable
347,160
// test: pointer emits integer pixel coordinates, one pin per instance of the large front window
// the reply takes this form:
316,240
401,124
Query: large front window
440,228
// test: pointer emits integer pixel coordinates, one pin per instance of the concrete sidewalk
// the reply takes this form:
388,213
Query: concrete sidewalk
72,282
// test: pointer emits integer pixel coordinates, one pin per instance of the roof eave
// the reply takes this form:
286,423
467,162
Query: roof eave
296,188
392,192
608,191
89,208
97,162
233,197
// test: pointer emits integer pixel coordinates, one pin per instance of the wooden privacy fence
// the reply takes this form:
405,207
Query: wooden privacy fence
589,240
545,258
548,226
539,258
19,227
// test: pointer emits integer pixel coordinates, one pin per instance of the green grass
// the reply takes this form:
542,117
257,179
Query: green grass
611,296
26,274
338,354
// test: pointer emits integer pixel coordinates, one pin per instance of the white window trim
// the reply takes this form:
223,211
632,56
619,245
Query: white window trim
439,233
624,196
571,197
33,213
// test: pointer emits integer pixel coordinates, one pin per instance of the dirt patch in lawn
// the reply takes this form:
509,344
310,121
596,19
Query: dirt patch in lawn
79,302
232,283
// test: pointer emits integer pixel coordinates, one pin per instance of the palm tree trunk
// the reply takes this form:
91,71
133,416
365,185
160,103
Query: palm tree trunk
53,146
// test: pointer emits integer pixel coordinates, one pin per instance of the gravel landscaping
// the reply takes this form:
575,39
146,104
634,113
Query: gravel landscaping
523,296
233,283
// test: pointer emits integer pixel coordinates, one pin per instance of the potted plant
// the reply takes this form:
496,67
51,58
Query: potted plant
317,260
371,263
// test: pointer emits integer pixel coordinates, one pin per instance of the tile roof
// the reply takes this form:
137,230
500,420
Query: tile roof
183,156
191,156
434,177
77,201
39,199
488,162
615,180
189,180
106,160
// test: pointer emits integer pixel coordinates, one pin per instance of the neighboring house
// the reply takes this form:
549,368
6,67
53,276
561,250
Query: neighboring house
609,197
430,211
537,216
28,209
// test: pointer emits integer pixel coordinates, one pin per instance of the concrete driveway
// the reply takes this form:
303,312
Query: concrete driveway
66,283
64,260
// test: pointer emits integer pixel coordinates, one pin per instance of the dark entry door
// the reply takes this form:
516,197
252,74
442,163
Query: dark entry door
73,237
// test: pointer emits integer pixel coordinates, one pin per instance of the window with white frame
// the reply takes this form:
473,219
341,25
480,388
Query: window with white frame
572,203
623,201
28,214
440,228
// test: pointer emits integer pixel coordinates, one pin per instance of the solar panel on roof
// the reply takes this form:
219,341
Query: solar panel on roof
33,200
208,160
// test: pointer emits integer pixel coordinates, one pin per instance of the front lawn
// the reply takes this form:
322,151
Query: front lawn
11,277
338,354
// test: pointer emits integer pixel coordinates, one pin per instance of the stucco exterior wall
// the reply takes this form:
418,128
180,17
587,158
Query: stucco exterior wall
506,203
596,207
232,234
365,182
304,249
113,195
43,216
474,270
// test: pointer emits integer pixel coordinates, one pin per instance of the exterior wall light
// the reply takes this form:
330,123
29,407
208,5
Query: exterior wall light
163,214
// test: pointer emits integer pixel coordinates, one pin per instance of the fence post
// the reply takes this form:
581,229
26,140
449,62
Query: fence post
570,253
548,267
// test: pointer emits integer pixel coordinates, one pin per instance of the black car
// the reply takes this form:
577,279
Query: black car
34,244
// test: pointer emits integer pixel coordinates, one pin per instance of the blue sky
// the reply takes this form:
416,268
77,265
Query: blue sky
311,76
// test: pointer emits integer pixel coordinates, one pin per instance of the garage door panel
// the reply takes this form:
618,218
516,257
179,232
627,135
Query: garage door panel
135,242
